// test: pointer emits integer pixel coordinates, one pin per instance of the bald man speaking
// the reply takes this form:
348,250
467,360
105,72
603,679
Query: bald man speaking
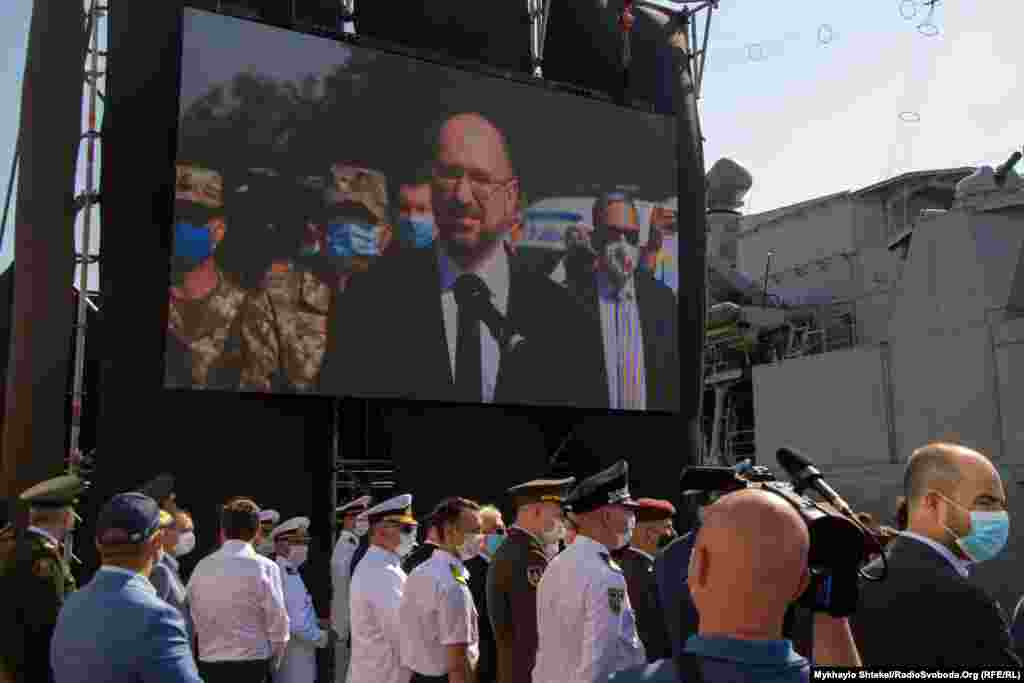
927,612
459,322
749,563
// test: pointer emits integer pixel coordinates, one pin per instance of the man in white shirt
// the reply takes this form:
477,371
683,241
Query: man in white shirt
353,527
585,622
237,603
439,621
376,595
291,546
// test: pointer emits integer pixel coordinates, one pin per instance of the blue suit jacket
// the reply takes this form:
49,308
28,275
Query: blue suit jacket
670,569
116,630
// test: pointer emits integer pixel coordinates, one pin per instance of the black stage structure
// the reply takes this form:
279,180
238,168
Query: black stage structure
278,449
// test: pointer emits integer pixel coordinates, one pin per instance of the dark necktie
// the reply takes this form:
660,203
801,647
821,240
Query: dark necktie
470,292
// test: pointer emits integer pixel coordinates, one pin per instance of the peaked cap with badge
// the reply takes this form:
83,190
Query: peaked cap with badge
295,528
608,487
397,509
59,492
351,184
129,519
199,185
354,507
541,491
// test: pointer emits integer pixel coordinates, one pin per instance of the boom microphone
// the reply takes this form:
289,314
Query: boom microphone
805,474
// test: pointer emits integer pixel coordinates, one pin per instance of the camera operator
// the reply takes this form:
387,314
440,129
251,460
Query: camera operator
749,562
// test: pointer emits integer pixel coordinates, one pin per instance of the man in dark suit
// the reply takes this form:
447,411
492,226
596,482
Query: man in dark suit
493,528
461,322
632,345
956,517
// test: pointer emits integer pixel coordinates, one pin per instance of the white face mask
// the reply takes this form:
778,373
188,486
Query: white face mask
553,534
298,555
470,547
186,544
622,259
406,545
361,527
623,539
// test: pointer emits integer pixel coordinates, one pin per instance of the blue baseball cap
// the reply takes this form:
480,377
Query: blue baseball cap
128,518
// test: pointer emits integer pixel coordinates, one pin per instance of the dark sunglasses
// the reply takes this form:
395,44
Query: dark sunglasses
500,531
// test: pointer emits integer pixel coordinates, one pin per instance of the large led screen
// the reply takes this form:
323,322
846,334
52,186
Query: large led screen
354,222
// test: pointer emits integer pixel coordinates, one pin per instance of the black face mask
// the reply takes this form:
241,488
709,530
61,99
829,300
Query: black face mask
665,539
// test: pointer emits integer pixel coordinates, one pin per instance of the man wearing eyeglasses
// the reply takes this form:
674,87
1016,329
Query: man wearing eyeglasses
634,349
459,322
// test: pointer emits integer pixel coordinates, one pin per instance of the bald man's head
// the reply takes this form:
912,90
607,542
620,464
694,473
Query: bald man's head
475,192
749,562
943,483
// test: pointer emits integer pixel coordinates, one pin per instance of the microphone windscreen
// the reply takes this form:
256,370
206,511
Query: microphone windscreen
791,461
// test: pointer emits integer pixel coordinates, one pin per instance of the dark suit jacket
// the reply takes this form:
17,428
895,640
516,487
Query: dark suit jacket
386,337
925,614
418,556
659,312
643,595
487,668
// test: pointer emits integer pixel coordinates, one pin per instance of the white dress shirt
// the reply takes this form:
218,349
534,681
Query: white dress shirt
341,567
438,611
376,596
623,346
585,623
961,566
299,662
495,274
236,598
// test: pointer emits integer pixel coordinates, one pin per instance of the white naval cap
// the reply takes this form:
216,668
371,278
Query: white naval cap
357,505
397,509
293,526
272,516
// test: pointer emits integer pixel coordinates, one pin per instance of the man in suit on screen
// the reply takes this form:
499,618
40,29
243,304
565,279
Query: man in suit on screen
632,339
460,322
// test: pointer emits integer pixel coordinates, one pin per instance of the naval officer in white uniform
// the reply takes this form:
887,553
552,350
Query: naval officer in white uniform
440,623
291,545
376,594
354,525
586,627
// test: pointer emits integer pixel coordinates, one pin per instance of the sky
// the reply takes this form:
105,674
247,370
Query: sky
811,97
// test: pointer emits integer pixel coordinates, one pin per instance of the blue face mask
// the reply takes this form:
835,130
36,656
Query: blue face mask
417,232
193,244
492,543
989,534
351,239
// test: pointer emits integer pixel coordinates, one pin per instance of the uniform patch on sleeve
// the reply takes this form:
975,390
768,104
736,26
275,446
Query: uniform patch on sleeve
533,575
616,596
44,567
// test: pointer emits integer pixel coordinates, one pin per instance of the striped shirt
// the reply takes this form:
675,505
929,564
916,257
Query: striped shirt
623,346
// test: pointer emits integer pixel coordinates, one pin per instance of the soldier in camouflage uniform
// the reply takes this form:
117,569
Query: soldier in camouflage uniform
285,322
35,579
203,323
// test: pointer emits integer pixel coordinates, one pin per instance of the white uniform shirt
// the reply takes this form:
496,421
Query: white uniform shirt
495,274
585,623
623,346
341,564
376,596
299,662
437,611
236,598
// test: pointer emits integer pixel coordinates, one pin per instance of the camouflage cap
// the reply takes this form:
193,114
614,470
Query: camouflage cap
356,185
199,186
58,492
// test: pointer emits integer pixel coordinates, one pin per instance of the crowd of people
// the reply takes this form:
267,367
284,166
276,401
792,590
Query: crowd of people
587,585
334,285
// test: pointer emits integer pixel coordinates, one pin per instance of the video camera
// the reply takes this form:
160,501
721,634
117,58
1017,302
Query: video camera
840,545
